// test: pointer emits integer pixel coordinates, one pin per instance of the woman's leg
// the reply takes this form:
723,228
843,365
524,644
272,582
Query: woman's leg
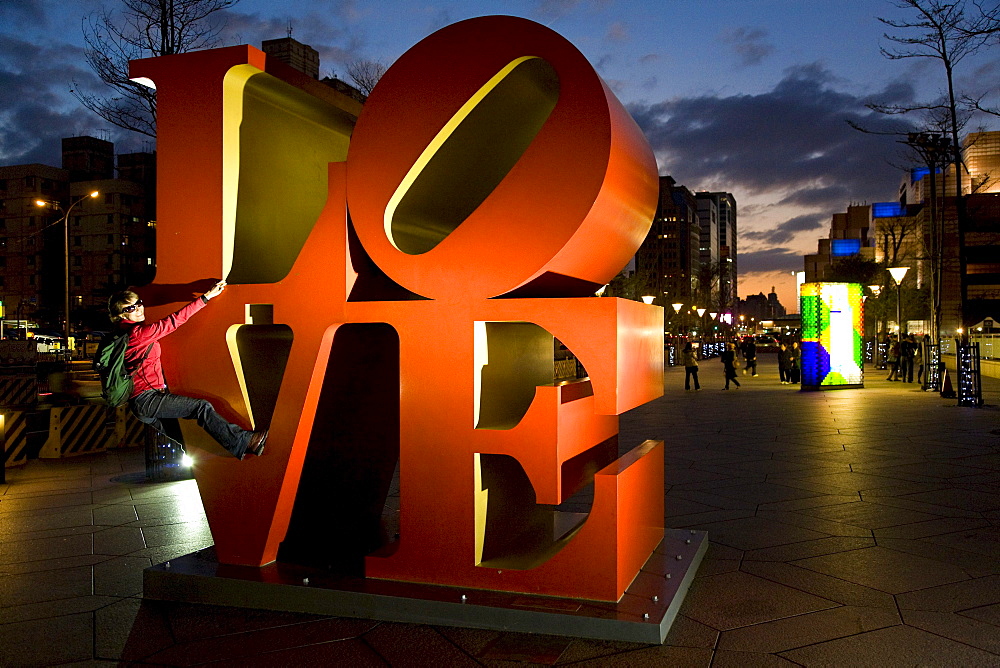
150,406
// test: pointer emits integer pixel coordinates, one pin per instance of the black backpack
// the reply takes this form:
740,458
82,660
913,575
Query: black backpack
109,363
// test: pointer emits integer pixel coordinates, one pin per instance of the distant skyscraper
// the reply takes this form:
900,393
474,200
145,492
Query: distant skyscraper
718,246
669,255
762,308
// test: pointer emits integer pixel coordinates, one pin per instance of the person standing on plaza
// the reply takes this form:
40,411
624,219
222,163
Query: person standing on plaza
893,358
150,400
728,359
792,362
907,350
750,357
783,362
918,360
690,359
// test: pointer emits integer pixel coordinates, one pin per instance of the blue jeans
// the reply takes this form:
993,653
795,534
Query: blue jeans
152,405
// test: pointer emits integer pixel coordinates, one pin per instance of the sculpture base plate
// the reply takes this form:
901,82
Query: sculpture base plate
644,614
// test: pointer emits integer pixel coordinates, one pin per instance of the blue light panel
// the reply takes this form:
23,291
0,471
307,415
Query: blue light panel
887,210
844,247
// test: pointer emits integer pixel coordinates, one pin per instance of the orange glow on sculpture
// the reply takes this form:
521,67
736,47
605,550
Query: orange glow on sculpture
492,180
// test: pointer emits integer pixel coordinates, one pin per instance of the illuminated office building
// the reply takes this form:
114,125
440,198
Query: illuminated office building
718,245
111,237
669,256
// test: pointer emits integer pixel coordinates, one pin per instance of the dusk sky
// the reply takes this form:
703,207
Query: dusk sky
746,96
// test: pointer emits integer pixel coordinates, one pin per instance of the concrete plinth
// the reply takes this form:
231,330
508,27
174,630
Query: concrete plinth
644,614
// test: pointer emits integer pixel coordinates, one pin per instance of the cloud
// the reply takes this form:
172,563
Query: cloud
327,32
35,108
784,232
556,9
770,260
748,44
819,196
787,154
617,33
23,12
792,138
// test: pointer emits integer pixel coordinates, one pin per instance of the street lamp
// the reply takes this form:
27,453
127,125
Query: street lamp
936,149
65,221
897,274
648,299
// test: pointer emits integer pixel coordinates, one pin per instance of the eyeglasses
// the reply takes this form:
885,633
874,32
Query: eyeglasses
132,307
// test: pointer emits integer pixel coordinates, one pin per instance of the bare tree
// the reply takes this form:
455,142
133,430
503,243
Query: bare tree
366,73
629,285
142,29
714,285
947,31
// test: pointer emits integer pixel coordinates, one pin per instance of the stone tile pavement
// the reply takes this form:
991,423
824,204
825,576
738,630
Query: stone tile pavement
848,528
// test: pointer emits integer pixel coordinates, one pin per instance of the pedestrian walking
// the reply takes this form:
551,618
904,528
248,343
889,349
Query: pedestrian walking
690,360
893,358
728,359
918,361
783,363
750,357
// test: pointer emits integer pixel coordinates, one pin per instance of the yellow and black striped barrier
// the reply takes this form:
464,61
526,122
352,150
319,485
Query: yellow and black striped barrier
14,438
78,430
18,390
128,431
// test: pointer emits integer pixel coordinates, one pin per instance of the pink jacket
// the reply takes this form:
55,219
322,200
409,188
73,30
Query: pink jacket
149,375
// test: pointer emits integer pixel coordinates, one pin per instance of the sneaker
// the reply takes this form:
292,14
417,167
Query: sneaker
755,375
256,445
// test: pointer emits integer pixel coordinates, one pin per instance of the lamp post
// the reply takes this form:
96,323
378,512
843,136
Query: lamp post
677,310
65,221
935,148
897,274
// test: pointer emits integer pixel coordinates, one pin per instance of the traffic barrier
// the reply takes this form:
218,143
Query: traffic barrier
15,450
77,430
18,390
128,432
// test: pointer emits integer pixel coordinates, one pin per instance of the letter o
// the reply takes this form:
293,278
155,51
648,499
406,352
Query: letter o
491,159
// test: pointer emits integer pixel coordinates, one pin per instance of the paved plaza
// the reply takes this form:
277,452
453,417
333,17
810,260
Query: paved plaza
848,528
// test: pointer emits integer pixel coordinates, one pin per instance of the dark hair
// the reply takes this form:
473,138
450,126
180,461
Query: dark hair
117,301
687,346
